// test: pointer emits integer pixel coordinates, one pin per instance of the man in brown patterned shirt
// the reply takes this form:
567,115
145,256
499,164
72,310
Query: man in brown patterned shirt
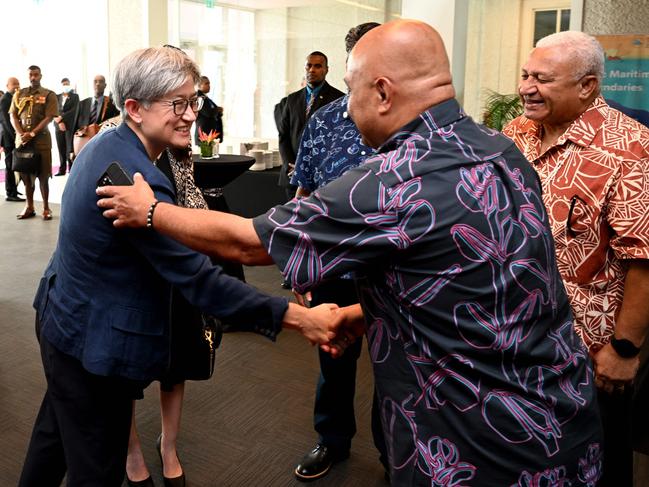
593,162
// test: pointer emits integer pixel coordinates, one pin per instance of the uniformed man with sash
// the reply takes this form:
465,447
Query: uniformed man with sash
32,109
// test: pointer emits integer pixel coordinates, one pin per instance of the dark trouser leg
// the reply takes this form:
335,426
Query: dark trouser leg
69,135
45,462
618,452
62,146
290,192
11,189
89,423
377,432
334,403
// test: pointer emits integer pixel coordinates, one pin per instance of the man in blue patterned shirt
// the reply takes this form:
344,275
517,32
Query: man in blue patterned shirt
481,378
330,146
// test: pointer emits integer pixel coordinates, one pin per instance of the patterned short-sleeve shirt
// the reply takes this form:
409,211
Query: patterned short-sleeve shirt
331,144
480,376
595,180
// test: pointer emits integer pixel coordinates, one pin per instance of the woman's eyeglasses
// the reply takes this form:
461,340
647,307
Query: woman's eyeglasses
180,105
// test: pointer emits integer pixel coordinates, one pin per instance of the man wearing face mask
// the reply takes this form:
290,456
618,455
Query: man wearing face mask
68,102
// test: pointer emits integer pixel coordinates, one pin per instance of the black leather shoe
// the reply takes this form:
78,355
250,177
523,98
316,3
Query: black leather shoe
14,198
286,285
60,174
317,463
147,482
169,481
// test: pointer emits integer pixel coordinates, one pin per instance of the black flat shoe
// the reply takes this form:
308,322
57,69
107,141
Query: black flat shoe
147,482
169,481
317,463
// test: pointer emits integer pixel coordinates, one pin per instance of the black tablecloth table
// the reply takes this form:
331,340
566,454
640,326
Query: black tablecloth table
254,193
211,176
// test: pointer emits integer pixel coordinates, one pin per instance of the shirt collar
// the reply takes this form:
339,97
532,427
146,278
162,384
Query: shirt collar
581,131
315,90
431,121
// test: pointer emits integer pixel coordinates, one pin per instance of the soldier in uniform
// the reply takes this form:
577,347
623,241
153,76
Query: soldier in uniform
32,109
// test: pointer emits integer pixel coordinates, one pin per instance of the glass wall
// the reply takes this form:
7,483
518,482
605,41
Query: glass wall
65,38
500,35
254,51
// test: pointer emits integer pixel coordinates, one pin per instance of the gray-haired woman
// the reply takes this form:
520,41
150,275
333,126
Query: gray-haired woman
102,313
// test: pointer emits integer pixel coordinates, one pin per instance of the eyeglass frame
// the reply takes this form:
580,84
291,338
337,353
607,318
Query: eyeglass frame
184,102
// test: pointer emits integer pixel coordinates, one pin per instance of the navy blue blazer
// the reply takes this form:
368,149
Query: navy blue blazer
104,298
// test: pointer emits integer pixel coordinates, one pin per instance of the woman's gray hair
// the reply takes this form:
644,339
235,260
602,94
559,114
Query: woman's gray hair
585,49
149,74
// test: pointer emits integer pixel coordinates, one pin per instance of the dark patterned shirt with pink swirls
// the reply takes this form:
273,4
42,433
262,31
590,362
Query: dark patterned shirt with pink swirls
480,375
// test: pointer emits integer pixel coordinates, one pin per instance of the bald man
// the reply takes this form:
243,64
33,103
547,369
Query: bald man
8,140
480,376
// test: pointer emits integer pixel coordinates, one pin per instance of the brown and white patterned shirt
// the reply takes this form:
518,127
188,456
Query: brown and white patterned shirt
595,181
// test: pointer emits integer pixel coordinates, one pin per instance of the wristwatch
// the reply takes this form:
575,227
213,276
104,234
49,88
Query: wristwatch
624,348
32,134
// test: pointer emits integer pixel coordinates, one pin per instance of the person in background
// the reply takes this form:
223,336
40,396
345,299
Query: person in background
68,102
8,140
480,375
330,146
210,116
297,109
95,109
103,339
593,162
32,109
177,166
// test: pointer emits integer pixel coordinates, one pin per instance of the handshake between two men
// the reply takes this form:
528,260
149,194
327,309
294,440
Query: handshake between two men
232,238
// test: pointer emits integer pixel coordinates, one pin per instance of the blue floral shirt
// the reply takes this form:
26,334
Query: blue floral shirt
481,378
330,145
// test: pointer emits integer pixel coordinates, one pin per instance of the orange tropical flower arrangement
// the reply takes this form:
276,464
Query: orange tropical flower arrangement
206,141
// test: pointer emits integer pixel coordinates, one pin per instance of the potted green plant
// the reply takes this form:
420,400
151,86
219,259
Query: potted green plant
500,109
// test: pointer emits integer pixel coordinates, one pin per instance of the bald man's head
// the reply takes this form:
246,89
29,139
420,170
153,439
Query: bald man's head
394,73
12,85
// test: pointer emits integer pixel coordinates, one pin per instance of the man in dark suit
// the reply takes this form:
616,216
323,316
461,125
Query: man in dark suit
298,108
98,108
210,116
68,102
8,140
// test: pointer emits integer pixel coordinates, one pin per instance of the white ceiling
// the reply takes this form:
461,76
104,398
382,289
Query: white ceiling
266,4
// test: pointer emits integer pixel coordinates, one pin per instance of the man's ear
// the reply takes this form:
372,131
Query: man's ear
133,108
588,85
384,91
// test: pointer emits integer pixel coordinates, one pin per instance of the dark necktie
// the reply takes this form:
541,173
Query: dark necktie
309,105
93,111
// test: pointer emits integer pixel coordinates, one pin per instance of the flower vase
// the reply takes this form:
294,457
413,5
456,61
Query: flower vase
206,149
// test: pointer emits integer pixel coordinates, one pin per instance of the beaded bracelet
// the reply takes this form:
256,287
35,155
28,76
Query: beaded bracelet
149,215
